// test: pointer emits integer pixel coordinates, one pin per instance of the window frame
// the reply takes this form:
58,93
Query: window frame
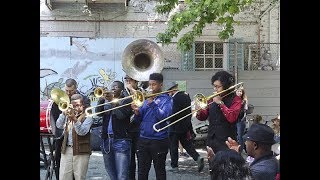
205,56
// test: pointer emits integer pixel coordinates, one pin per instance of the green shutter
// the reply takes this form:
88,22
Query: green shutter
231,54
187,60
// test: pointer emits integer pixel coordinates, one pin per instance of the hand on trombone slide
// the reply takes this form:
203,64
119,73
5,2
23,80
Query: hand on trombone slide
135,108
150,99
217,99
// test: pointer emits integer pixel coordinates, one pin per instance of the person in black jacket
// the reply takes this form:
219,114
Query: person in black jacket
222,111
182,130
259,140
116,143
134,126
70,88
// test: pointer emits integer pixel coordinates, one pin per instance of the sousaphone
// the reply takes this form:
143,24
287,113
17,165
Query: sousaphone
142,58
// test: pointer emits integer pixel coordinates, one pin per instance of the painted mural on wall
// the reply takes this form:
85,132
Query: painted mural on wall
91,62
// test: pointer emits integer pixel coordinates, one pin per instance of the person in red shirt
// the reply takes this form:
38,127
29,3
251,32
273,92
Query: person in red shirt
222,112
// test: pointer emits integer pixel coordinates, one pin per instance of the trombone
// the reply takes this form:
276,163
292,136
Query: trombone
201,101
61,99
138,98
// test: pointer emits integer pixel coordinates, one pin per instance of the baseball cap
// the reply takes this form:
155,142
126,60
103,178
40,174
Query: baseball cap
260,133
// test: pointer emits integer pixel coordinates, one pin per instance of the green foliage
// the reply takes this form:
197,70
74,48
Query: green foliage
199,13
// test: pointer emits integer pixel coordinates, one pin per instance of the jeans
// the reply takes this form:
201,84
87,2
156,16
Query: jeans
241,125
133,165
116,156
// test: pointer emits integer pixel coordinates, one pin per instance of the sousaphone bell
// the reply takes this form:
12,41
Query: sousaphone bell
142,58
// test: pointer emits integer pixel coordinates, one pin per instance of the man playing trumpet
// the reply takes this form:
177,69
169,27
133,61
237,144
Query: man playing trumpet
75,150
116,144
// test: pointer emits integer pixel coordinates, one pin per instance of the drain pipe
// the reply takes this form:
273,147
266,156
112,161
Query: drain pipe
236,62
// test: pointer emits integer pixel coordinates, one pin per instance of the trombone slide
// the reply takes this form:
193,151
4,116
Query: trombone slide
203,104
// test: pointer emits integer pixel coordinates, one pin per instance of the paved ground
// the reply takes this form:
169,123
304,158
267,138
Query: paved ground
187,168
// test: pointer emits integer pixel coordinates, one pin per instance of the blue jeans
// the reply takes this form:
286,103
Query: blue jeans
241,125
116,156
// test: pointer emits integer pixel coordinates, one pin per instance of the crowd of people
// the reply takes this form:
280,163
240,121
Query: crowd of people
130,144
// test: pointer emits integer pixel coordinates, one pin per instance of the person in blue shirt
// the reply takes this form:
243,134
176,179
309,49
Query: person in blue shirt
152,145
116,144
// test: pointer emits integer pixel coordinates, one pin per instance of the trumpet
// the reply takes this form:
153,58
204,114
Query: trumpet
138,98
99,91
199,100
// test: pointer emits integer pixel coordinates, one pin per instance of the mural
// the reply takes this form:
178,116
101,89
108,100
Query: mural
91,62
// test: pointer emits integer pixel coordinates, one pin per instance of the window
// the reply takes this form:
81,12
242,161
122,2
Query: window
208,55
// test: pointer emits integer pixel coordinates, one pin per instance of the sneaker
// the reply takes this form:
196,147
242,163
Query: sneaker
173,169
200,162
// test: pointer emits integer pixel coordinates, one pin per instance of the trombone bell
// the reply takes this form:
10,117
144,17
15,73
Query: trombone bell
201,101
57,95
138,98
63,105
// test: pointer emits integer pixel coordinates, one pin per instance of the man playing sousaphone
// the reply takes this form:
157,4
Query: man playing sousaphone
131,85
75,150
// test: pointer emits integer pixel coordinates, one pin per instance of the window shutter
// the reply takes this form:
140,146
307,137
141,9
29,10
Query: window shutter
188,59
231,54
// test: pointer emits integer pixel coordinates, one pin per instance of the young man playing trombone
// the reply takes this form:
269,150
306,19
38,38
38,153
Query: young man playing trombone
116,144
152,145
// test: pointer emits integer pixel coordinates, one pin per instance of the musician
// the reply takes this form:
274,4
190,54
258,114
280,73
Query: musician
116,143
134,126
181,131
75,149
222,113
152,145
70,89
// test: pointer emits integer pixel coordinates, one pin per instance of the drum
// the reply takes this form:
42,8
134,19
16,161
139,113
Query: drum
45,107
